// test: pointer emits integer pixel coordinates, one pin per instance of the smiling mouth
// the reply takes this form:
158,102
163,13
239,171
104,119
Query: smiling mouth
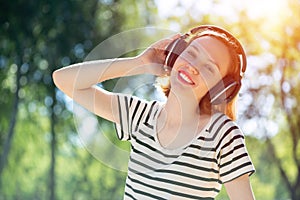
184,77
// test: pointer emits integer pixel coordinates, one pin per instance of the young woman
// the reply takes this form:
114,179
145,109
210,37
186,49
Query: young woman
188,146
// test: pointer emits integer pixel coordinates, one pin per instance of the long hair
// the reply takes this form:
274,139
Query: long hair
229,107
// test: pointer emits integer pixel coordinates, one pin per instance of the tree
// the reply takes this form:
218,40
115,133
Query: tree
274,100
268,110
37,37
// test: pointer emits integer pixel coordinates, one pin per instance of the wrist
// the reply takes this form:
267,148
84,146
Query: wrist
143,64
140,61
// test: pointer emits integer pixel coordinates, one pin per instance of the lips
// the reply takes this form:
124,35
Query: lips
185,78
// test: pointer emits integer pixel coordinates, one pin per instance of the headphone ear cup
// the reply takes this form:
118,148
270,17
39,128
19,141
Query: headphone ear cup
224,91
174,49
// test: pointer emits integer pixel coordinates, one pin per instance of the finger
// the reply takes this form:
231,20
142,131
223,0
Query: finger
176,36
163,43
172,38
166,41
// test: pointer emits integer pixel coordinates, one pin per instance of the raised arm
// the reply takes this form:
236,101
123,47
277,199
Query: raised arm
79,81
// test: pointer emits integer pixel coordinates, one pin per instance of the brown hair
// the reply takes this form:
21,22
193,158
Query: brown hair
228,108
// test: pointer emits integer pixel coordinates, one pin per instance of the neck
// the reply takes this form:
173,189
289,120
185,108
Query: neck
182,110
180,121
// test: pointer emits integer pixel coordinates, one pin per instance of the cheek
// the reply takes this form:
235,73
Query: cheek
208,81
173,77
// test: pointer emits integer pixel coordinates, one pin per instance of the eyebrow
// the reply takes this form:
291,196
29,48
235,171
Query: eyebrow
209,58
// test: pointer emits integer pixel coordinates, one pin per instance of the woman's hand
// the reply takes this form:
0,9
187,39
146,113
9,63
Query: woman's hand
155,56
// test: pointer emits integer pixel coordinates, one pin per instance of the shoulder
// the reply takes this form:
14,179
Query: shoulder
134,101
222,124
134,112
224,130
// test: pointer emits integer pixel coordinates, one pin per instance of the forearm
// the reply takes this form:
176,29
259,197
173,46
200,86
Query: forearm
84,75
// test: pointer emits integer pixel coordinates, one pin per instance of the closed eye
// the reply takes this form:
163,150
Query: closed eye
195,51
211,68
192,53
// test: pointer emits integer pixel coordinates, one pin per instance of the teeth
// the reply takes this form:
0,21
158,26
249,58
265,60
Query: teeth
186,78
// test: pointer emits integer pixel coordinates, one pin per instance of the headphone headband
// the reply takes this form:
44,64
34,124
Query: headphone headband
228,87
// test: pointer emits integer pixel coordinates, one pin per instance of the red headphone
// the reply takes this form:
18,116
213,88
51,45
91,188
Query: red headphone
228,87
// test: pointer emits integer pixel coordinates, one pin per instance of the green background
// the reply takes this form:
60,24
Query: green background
42,156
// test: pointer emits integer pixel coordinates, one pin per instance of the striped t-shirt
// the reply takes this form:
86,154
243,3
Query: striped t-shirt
196,171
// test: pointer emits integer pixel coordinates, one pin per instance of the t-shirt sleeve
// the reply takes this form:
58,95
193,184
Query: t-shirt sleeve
234,160
132,112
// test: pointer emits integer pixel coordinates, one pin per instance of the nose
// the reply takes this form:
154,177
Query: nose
193,70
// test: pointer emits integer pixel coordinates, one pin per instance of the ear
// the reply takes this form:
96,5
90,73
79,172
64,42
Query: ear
224,91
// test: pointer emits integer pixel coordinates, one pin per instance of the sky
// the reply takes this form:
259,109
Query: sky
270,9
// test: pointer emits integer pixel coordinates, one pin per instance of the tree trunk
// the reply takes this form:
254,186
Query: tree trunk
12,124
295,195
53,147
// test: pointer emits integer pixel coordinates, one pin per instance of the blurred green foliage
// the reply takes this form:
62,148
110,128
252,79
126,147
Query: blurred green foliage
40,159
42,156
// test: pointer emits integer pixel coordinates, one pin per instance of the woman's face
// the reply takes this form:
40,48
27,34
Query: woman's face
200,66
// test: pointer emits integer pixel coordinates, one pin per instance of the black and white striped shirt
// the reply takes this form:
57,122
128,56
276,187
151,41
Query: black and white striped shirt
196,171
